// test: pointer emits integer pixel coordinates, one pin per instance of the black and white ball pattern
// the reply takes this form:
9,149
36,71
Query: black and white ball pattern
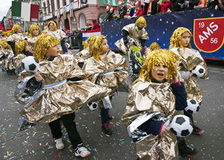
199,71
92,105
30,64
192,106
181,126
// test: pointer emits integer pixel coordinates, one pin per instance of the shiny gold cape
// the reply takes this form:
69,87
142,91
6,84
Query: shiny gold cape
111,61
15,37
7,62
82,55
150,98
50,104
190,58
59,34
135,33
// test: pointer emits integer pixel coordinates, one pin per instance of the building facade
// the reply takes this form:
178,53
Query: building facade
72,14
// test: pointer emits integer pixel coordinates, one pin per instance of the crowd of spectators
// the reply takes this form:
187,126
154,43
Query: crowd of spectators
137,8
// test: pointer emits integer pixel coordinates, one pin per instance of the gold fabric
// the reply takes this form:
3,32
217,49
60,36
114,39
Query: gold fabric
148,97
108,62
59,34
64,99
32,40
8,62
82,55
15,37
135,33
189,58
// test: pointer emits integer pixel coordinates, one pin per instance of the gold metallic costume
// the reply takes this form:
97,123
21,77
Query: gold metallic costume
49,104
57,33
134,33
188,59
96,71
149,100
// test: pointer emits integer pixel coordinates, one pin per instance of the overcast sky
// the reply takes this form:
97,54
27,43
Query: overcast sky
4,7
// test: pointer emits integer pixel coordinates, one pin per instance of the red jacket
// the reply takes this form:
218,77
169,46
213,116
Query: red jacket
164,6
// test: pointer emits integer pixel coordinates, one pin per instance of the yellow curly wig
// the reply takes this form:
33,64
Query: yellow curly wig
55,25
43,43
95,49
159,57
154,46
4,44
141,20
15,28
89,41
33,27
176,37
20,46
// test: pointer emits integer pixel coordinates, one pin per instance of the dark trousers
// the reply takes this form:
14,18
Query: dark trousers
64,48
104,113
190,115
68,121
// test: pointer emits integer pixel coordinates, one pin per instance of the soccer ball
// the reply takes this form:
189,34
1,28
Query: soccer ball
192,106
30,64
92,105
199,71
181,126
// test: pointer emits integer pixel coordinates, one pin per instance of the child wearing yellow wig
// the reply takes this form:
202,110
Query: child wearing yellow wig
180,43
34,32
155,96
107,69
53,30
15,35
53,93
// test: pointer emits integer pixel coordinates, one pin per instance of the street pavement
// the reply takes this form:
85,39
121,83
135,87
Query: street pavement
36,143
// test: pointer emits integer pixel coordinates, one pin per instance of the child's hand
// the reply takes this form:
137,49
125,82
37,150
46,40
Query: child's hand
38,77
165,129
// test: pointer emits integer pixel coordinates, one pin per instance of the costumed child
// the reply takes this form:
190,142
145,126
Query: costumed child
53,30
155,97
132,44
15,35
51,93
6,57
107,69
190,61
34,32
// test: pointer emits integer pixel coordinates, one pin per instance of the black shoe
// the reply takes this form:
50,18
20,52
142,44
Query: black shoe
197,131
106,128
185,150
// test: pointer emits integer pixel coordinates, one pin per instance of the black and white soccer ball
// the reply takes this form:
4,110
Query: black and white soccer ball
192,106
30,64
199,71
92,105
181,126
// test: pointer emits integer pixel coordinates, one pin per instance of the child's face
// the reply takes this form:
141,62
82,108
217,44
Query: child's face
104,46
159,72
36,32
185,39
52,52
51,27
19,30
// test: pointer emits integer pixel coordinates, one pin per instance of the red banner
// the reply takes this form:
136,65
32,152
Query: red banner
34,13
208,34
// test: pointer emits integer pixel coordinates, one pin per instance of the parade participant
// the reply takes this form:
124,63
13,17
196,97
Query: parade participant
105,68
155,96
53,92
154,46
6,57
84,54
134,31
34,32
53,30
15,35
180,44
